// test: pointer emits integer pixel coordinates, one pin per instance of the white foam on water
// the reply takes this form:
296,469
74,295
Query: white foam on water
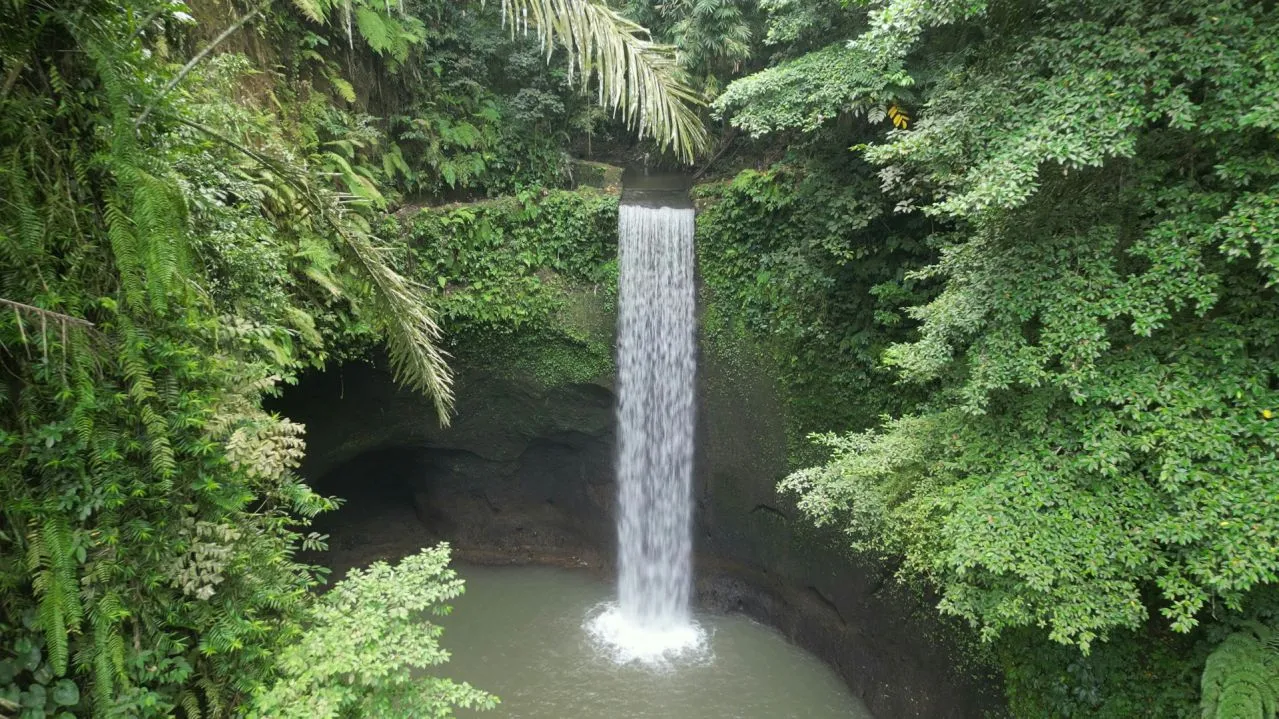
624,641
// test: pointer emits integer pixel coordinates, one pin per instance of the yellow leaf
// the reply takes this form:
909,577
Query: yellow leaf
898,116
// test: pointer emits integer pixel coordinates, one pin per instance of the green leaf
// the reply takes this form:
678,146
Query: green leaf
373,28
66,693
635,76
34,697
311,9
30,658
344,89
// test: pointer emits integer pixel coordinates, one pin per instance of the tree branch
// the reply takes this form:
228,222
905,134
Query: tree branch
187,68
46,314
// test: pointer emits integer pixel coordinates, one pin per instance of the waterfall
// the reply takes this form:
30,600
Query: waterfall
656,370
656,365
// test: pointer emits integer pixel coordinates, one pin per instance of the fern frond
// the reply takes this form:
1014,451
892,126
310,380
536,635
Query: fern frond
1241,675
51,560
106,652
190,704
31,226
373,29
124,246
159,211
311,9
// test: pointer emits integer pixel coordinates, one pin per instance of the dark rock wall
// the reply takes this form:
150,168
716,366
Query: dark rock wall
522,470
760,557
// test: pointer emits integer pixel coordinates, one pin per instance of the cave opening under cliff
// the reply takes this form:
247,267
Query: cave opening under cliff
384,509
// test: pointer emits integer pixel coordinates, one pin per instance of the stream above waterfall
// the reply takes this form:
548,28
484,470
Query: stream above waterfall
519,632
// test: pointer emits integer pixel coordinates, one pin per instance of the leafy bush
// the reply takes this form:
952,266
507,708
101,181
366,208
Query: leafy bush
803,258
364,645
171,263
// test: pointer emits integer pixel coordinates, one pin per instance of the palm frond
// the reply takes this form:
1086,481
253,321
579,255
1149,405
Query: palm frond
400,304
412,336
636,77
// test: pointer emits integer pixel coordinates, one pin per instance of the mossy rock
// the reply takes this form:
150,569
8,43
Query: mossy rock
574,347
597,174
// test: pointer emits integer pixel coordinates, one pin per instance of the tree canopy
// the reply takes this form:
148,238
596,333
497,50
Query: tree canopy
1095,451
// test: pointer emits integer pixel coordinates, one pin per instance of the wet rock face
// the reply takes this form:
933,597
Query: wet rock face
762,558
525,474
358,408
522,470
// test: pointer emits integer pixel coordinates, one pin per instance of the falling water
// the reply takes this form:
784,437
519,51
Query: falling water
656,363
656,367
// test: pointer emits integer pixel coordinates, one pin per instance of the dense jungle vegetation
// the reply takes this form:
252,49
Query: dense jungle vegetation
1014,262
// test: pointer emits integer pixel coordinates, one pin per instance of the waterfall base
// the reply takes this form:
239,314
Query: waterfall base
624,641
518,632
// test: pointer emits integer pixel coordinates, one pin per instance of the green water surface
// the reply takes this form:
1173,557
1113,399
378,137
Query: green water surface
518,632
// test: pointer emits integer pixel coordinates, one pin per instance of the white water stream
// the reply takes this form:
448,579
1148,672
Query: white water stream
657,366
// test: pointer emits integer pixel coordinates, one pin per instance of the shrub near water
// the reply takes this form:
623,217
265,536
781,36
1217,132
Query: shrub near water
366,643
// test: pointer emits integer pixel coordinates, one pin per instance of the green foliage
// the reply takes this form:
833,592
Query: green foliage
848,76
635,77
29,683
387,29
507,264
160,277
1241,676
388,34
804,259
1096,452
365,643
175,242
525,283
297,194
713,36
487,117
1134,674
413,148
558,354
